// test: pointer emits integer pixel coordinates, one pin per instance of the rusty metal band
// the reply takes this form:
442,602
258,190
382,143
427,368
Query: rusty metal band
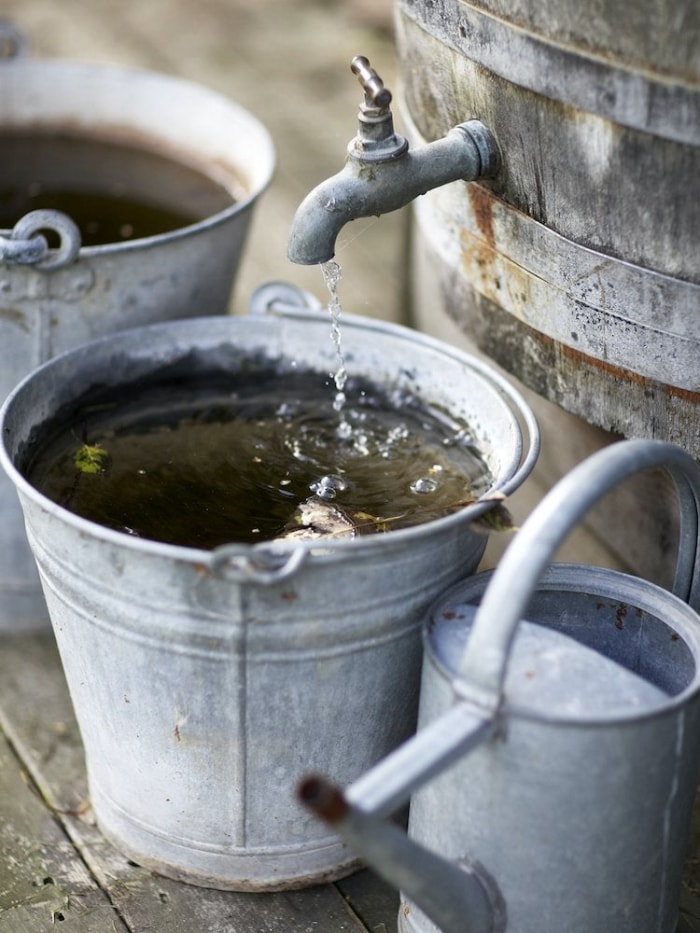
622,314
641,100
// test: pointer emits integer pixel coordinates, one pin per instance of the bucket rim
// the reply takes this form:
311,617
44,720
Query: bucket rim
600,581
323,549
254,179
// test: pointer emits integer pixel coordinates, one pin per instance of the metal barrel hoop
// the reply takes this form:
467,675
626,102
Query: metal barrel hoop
483,664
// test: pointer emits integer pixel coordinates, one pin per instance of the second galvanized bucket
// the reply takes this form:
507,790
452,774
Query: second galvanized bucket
56,297
206,682
559,737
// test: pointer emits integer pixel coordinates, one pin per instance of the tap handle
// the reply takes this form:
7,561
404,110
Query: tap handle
376,94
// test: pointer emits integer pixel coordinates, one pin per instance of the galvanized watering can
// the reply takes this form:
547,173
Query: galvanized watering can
206,683
555,766
54,298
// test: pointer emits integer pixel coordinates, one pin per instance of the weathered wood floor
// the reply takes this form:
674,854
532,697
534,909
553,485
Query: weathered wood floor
56,870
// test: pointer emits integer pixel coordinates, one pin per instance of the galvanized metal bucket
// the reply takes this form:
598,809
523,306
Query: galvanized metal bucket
54,299
564,750
206,683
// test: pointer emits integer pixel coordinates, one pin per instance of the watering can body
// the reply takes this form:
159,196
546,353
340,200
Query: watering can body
555,765
580,814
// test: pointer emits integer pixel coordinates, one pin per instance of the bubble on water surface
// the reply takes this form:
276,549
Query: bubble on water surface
329,486
424,485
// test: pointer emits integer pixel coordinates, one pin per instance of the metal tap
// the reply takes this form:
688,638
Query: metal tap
382,174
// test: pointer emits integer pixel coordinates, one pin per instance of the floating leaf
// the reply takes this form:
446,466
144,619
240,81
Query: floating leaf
90,458
316,518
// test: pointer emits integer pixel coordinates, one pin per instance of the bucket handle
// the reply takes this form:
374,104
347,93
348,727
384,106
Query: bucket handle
483,664
25,244
263,564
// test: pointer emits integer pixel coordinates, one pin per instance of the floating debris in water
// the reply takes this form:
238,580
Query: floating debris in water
91,458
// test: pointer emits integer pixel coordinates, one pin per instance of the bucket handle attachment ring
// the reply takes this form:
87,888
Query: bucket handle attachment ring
260,564
281,297
26,245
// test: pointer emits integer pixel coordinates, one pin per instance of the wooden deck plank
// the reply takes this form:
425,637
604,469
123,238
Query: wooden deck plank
36,713
43,881
376,904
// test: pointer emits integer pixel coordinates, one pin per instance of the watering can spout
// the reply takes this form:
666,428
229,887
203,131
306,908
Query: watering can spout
456,896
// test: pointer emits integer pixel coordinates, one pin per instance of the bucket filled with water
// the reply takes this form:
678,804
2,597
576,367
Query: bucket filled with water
125,199
236,557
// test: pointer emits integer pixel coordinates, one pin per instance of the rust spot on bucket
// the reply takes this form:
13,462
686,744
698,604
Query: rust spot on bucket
620,614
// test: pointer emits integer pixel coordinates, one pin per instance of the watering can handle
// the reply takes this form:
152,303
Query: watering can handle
483,664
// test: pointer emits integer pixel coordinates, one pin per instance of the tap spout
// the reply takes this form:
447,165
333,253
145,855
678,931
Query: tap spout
382,174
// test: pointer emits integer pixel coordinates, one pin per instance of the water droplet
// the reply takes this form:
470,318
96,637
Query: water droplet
344,431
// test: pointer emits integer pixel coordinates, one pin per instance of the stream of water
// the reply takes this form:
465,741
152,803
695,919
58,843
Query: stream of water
332,275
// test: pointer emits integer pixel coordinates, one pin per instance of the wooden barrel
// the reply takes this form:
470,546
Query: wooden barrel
578,267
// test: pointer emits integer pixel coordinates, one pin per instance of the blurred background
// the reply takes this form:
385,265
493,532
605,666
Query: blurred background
289,65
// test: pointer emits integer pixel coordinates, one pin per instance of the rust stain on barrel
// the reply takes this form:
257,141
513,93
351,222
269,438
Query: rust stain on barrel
481,205
623,375
479,250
